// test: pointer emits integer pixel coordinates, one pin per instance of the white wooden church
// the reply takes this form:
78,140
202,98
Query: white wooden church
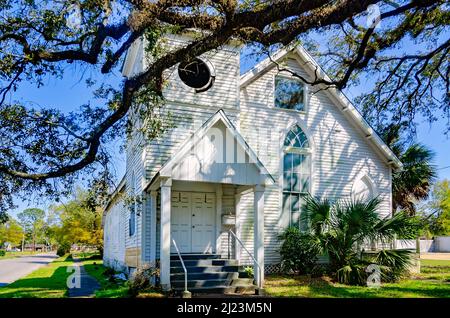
222,184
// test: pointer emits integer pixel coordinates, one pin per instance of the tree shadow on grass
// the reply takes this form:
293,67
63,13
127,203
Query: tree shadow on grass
37,287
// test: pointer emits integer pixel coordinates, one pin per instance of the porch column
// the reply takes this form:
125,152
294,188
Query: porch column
153,247
258,239
219,192
164,258
237,226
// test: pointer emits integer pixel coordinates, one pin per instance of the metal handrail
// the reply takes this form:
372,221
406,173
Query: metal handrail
254,259
182,264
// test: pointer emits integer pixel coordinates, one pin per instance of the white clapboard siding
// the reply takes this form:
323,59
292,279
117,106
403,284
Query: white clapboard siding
224,92
134,165
341,154
228,207
146,229
114,238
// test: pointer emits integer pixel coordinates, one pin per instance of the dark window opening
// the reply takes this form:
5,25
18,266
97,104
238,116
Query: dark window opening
289,93
132,222
196,74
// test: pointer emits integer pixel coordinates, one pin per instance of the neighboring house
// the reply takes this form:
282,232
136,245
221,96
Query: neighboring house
35,247
244,151
7,246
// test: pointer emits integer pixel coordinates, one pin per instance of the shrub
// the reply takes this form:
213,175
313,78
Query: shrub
298,251
320,270
140,280
63,249
352,274
109,272
340,228
2,253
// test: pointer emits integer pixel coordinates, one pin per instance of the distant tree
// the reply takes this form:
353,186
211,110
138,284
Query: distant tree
413,183
33,222
79,221
11,232
439,207
3,218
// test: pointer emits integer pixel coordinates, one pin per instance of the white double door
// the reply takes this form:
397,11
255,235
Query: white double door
193,222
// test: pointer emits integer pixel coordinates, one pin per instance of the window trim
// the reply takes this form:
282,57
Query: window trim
305,93
212,72
359,178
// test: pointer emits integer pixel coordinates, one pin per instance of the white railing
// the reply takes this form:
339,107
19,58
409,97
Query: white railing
182,264
230,232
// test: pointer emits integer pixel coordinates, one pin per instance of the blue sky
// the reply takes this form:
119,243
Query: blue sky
70,92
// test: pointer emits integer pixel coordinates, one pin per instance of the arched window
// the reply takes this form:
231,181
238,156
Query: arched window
296,172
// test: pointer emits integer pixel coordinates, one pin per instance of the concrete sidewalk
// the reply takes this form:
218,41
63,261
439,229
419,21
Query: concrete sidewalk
88,284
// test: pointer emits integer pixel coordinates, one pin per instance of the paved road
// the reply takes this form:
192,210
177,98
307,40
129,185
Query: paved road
14,268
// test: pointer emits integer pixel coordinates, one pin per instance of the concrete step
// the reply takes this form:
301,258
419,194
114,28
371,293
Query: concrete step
208,290
204,262
205,276
242,281
201,283
242,290
205,269
194,256
220,289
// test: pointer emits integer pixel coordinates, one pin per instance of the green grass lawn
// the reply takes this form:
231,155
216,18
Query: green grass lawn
46,282
433,281
94,266
17,254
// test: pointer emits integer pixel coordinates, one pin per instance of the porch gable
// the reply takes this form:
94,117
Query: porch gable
217,153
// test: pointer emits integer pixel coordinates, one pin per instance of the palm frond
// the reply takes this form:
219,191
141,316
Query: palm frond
315,214
401,225
394,264
414,181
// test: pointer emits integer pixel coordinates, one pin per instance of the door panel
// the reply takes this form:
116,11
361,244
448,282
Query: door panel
203,222
181,221
193,222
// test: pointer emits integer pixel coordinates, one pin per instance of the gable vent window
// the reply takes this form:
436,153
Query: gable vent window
289,93
197,74
296,173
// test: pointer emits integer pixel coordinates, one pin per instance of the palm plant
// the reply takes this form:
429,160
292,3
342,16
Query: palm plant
413,183
343,228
